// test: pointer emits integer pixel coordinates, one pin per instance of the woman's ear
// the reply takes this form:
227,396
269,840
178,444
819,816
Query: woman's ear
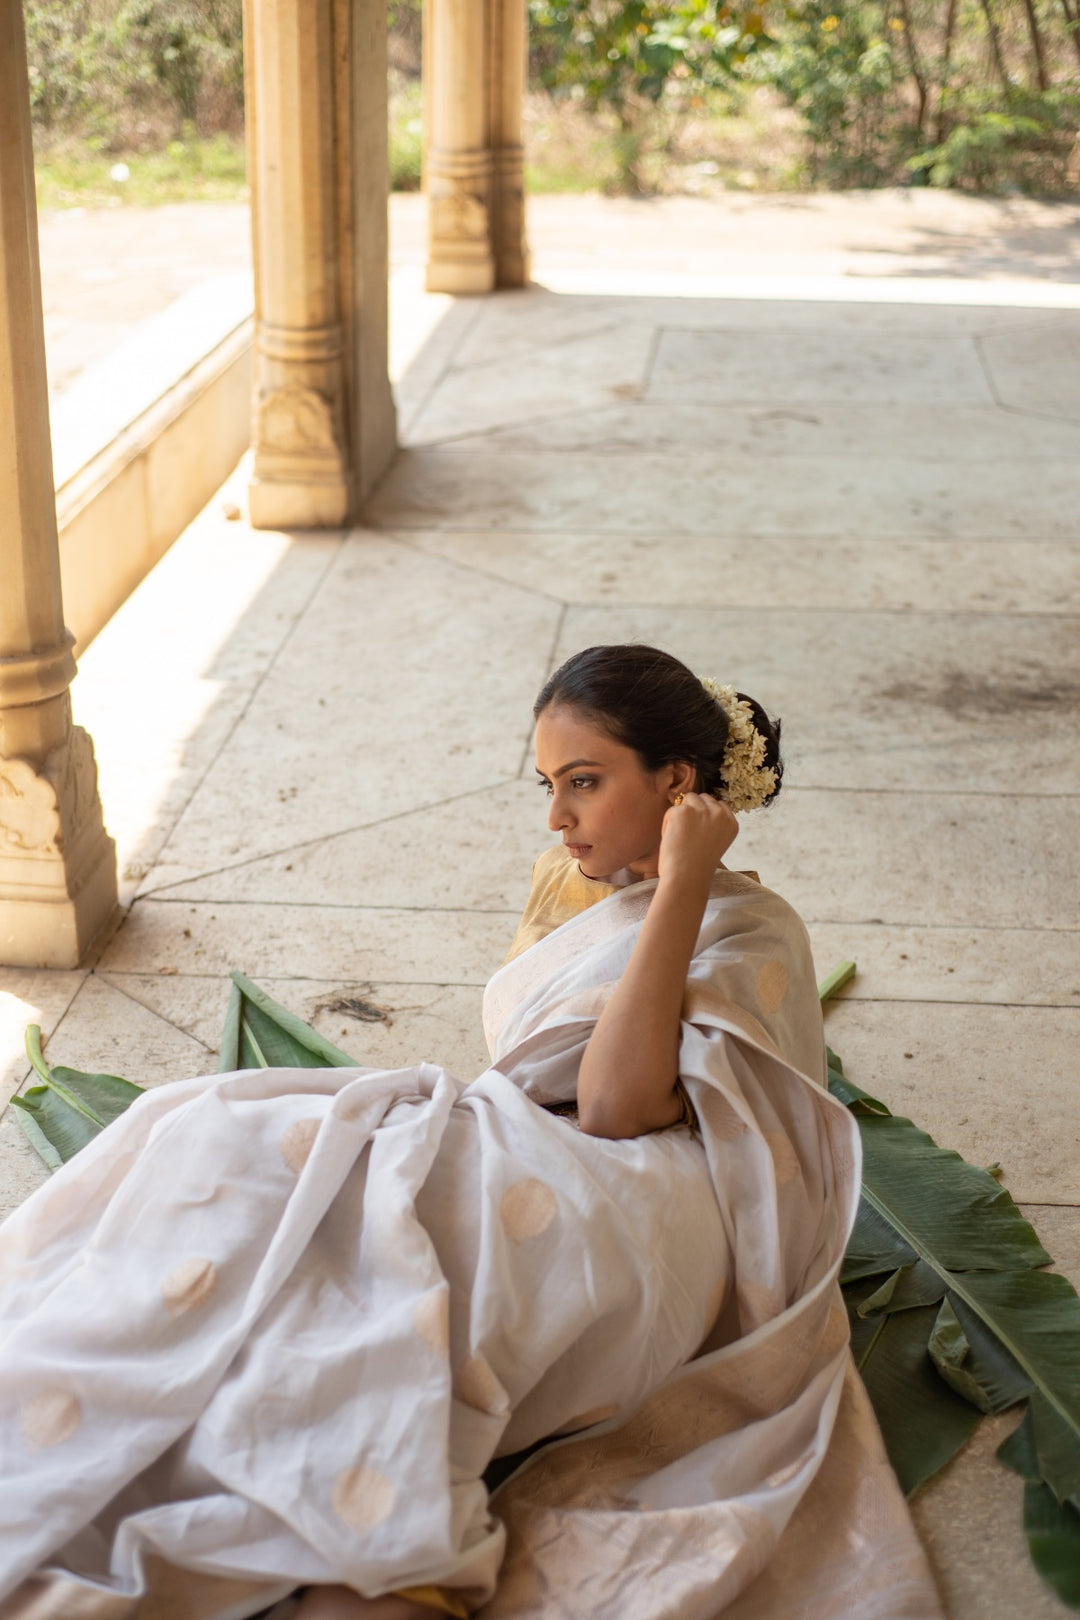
683,777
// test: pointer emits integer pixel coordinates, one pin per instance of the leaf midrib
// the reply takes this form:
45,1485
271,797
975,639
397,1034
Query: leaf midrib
952,1281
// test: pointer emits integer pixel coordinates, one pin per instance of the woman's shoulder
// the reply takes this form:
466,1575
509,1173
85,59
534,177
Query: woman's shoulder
558,893
744,904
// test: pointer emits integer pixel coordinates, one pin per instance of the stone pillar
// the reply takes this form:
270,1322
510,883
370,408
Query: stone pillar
363,183
57,864
323,429
458,160
302,473
507,67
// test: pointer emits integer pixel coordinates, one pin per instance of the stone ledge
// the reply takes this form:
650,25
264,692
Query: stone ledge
142,442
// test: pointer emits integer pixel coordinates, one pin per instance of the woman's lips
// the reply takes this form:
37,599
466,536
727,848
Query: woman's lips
578,850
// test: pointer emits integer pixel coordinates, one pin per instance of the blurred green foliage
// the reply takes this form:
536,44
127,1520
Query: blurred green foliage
978,94
640,59
132,73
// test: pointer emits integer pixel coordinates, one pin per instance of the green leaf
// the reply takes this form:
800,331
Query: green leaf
836,980
259,1033
35,1135
70,1108
923,1421
1053,1535
907,1288
977,1367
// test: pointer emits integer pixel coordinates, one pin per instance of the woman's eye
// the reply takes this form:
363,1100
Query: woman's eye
580,783
547,787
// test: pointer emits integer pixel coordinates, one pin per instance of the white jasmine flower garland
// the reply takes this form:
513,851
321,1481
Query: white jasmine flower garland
748,781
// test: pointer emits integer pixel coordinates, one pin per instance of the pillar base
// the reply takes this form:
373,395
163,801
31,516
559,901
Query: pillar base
58,889
460,276
514,270
46,928
281,504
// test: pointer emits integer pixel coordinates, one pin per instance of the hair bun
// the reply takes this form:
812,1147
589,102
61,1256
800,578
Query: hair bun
751,768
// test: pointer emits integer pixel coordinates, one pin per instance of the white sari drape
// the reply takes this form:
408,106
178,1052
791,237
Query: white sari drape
271,1327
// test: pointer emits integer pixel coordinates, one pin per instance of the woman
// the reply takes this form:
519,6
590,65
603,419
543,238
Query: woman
269,1331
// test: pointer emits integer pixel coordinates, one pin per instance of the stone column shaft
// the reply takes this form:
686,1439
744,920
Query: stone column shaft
301,475
474,85
57,865
458,166
507,70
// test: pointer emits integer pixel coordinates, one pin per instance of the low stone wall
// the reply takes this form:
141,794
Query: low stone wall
142,442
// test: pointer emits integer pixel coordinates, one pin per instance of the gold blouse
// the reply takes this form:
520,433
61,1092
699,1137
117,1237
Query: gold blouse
559,892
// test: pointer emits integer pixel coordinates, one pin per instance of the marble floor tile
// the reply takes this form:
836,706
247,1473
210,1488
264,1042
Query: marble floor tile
29,996
997,1084
970,1520
105,1031
21,1170
730,433
911,701
209,939
1058,1226
788,368
892,310
200,654
432,1023
565,375
472,853
806,496
1037,370
405,682
774,571
522,324
946,860
1029,967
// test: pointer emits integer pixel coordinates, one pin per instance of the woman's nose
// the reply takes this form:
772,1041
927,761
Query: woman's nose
558,816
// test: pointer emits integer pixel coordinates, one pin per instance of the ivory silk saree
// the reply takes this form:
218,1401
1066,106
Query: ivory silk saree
271,1327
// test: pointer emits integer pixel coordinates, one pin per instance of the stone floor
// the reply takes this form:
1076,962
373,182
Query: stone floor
846,477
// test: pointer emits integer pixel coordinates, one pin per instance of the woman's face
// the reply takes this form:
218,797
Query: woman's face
607,806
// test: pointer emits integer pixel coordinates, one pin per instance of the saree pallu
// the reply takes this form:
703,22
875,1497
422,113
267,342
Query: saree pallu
270,1328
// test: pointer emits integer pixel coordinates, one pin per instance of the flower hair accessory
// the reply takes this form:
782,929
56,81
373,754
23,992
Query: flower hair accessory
748,781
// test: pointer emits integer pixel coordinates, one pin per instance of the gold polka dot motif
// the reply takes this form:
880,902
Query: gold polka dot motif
785,1159
363,1498
527,1209
50,1418
771,986
189,1285
477,1386
297,1143
431,1320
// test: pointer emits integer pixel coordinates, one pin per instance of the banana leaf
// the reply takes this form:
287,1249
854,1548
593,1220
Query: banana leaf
260,1033
952,1316
69,1108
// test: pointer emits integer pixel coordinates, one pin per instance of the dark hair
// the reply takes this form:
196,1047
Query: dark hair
649,701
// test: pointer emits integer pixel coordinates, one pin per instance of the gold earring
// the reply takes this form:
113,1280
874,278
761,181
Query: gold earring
678,799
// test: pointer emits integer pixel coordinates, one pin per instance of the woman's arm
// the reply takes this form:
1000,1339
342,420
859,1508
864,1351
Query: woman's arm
626,1083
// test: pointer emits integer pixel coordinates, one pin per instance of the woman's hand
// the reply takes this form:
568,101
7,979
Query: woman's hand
694,837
